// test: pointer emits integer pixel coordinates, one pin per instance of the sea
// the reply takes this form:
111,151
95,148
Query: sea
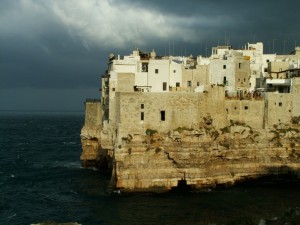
42,181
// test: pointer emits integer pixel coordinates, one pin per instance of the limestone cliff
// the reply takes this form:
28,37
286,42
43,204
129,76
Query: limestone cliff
203,157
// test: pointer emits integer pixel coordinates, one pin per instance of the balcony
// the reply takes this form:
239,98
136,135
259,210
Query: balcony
279,82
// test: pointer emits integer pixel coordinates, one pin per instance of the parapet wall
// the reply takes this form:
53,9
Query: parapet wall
93,113
91,134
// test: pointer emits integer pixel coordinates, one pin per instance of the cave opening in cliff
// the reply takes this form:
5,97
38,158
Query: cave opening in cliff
182,186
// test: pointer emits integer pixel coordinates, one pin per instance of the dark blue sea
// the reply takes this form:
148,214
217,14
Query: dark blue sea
41,180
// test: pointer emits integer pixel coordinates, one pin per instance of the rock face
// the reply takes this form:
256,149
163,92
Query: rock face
203,157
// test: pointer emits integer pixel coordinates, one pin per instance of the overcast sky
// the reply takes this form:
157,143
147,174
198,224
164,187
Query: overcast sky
53,52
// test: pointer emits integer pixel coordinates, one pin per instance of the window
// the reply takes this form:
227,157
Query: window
144,67
174,71
156,70
266,70
142,106
162,115
246,107
189,83
240,65
198,83
113,89
224,67
224,80
177,84
267,60
142,116
244,79
164,86
280,104
281,89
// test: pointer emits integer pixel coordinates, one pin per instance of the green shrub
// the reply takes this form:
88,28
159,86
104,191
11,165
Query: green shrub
181,129
225,130
157,150
151,132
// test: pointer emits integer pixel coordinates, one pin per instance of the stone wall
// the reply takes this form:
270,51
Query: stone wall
125,82
166,111
250,112
93,113
296,97
278,66
198,76
242,73
279,108
91,133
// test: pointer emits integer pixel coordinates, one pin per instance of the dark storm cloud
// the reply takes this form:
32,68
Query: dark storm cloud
47,63
61,45
242,21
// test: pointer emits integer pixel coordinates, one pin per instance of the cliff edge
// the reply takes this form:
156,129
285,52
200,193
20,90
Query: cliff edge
203,156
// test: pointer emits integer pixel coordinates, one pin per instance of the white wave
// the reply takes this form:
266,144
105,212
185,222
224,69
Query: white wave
69,143
75,165
11,216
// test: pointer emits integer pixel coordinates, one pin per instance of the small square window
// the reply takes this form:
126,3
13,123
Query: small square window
280,104
113,89
156,70
224,66
177,84
174,71
142,106
246,107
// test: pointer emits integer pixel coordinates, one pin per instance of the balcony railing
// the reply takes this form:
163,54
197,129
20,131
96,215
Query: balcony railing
285,82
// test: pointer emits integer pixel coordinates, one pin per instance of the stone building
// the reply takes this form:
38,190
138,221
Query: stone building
208,121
